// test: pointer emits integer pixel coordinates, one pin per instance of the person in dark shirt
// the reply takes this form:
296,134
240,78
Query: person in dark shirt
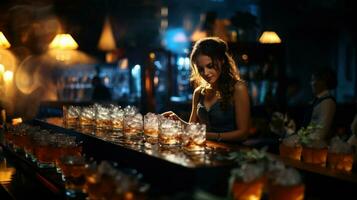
100,91
323,108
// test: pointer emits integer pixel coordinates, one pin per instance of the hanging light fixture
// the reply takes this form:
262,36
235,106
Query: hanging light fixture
63,42
107,40
4,44
269,37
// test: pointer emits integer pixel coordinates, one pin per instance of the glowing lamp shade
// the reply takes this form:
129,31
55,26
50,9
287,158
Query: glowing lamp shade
107,39
16,121
8,76
4,44
269,37
63,42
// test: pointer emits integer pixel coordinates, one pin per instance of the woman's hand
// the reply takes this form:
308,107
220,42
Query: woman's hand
170,115
173,116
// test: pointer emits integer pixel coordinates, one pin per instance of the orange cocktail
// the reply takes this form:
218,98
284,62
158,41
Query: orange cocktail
340,161
290,152
250,190
316,156
279,192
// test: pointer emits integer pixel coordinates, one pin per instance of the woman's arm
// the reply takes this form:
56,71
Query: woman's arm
242,114
193,115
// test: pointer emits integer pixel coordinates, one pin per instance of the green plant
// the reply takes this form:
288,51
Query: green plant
307,134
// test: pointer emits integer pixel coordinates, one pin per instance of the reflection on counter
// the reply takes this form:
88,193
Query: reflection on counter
6,172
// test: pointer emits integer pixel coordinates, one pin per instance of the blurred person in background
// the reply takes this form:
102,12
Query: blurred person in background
100,91
323,107
221,99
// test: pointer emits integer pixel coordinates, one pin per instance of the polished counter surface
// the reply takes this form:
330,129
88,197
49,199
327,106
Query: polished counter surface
212,156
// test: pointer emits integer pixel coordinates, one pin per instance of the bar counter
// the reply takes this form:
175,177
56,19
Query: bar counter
172,172
168,169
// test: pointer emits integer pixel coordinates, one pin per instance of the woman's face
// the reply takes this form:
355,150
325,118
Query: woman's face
207,69
316,85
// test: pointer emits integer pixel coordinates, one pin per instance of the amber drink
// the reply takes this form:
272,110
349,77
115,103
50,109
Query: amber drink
286,185
291,148
103,119
73,174
340,155
87,117
117,118
133,125
194,137
72,116
151,128
248,182
170,132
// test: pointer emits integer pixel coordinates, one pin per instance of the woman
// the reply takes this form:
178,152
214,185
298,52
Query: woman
221,99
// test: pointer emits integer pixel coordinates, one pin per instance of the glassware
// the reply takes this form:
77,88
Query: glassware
291,148
151,128
103,118
286,185
42,145
117,117
133,125
72,116
87,116
170,132
194,137
340,155
29,146
340,161
73,174
315,153
248,182
290,152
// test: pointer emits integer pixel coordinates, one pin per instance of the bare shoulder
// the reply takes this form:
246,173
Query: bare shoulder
328,103
240,87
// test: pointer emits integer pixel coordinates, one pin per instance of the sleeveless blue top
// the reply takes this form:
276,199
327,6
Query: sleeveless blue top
216,119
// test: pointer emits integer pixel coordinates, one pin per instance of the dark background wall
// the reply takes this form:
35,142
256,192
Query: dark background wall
314,32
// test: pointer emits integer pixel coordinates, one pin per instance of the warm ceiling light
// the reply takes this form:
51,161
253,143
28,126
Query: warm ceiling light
107,39
4,44
197,35
269,37
63,42
16,121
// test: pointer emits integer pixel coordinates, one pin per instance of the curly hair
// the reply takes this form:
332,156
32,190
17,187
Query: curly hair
217,50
